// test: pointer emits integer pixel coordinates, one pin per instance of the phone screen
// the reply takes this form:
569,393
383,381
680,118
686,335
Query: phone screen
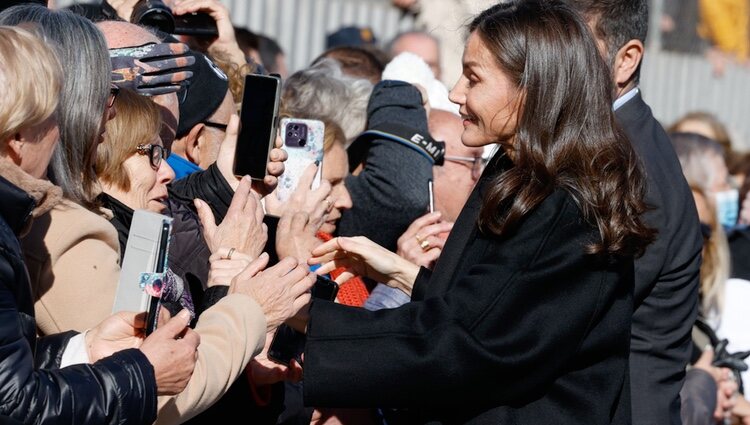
289,344
260,103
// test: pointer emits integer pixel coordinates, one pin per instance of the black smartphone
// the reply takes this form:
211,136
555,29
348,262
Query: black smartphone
154,304
198,24
287,343
258,122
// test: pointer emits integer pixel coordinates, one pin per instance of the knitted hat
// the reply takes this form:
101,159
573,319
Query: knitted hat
203,95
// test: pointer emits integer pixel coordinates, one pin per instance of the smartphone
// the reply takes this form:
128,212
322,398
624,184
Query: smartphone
154,305
287,343
197,24
258,123
303,142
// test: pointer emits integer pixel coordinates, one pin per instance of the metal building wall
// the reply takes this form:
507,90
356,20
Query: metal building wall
673,84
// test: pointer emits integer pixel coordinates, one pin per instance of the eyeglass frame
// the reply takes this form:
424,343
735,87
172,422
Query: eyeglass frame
113,92
148,149
477,163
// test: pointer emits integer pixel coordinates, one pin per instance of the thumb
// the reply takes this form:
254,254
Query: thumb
229,145
206,216
176,325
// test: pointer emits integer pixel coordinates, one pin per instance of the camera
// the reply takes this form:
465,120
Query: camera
156,14
153,13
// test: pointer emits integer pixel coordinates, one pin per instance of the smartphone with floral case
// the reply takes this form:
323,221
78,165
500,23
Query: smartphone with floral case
303,142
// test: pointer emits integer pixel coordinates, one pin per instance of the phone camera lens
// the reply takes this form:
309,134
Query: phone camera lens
302,142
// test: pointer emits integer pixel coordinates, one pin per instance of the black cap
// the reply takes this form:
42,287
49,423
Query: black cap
203,95
351,36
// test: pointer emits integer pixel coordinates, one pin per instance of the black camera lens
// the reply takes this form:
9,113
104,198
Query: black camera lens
153,13
302,142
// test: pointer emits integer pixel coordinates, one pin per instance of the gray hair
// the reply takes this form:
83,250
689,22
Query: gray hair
694,152
389,46
85,60
323,92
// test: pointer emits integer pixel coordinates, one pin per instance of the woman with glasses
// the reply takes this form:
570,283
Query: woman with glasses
73,250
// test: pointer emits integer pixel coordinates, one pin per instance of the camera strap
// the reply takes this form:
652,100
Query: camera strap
422,142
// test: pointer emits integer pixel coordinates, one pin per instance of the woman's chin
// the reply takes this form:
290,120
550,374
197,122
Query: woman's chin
156,206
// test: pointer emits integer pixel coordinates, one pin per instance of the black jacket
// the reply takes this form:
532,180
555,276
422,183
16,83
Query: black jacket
120,389
666,276
525,329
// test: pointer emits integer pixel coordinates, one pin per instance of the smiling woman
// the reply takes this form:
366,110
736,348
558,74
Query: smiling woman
550,231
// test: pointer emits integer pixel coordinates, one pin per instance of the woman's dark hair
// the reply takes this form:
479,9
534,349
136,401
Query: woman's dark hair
566,135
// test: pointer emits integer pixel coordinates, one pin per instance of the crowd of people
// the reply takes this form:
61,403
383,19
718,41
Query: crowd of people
528,245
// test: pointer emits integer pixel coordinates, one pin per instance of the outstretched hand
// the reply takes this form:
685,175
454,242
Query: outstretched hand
242,228
361,256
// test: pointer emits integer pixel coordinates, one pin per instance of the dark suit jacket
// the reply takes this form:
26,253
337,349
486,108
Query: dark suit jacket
526,329
666,277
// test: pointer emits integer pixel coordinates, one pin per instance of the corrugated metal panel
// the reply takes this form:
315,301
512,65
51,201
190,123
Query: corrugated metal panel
300,26
673,84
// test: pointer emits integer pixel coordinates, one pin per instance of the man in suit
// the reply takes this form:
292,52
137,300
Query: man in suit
667,276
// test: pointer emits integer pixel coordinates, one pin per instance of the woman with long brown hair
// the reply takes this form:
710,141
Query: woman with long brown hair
526,316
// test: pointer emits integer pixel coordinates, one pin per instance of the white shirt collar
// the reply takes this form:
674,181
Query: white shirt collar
625,98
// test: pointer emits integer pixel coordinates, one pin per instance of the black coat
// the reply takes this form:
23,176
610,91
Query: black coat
525,329
120,389
666,276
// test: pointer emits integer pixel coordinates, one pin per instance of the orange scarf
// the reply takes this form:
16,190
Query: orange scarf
354,291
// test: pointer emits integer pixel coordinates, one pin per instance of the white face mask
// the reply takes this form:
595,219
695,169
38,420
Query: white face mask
727,207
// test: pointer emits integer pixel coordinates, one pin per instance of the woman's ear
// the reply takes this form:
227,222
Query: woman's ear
13,148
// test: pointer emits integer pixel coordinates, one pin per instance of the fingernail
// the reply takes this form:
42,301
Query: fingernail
198,204
185,315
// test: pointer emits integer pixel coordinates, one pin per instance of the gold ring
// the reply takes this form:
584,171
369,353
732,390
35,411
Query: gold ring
328,202
425,245
229,254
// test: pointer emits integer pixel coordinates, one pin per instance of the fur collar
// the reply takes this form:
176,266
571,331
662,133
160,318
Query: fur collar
45,194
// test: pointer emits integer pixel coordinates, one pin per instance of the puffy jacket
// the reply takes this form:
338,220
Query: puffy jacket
120,389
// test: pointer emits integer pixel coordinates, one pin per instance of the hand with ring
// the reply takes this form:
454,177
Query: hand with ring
423,241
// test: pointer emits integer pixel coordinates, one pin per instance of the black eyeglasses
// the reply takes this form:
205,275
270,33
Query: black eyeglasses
113,92
222,127
156,153
477,163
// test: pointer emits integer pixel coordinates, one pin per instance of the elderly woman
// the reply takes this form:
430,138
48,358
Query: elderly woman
30,80
78,264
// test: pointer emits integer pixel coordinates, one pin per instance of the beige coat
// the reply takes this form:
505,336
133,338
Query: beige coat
73,260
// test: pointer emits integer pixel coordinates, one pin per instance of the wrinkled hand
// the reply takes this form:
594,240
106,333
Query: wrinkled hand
151,69
281,290
363,257
173,359
242,227
223,270
117,332
429,231
726,396
225,161
295,236
268,372
304,198
226,41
